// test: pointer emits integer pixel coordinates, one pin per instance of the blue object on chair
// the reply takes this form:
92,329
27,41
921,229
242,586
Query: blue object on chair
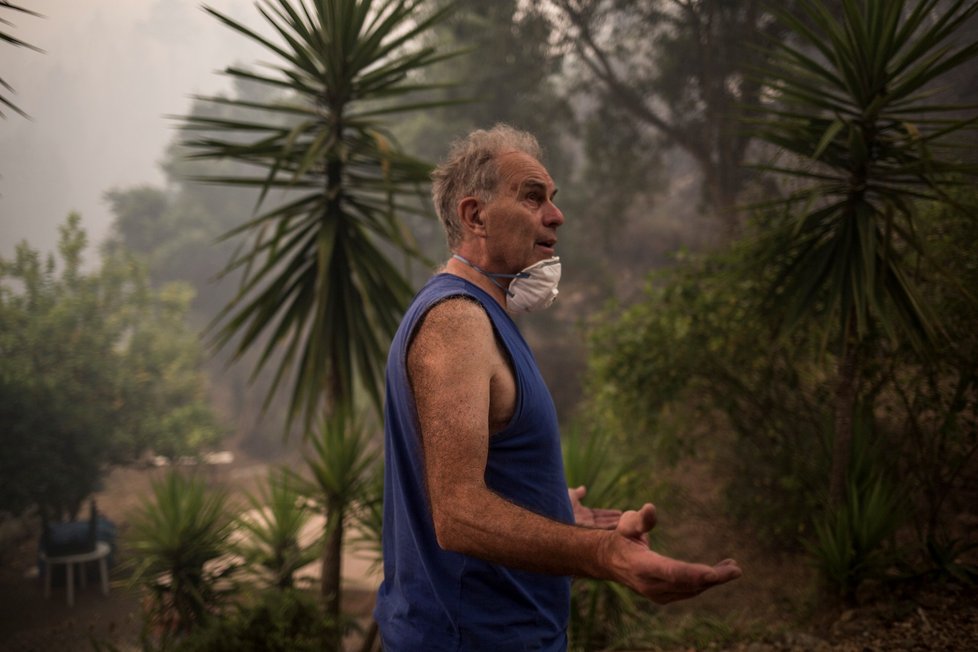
75,537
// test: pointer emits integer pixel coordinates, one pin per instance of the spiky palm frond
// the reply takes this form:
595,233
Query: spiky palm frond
176,536
7,37
855,111
318,283
275,529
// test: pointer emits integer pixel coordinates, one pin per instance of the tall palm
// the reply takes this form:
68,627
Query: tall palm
5,37
865,140
318,285
318,282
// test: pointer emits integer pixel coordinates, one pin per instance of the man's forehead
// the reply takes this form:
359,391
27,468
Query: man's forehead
519,168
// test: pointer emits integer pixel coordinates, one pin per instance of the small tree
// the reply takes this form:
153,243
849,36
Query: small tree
274,528
177,537
856,119
341,462
95,368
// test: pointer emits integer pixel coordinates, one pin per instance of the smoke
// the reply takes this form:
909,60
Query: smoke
98,97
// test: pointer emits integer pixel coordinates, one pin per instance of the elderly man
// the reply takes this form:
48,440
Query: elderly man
481,534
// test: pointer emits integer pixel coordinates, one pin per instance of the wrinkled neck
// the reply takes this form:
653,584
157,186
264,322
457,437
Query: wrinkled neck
492,276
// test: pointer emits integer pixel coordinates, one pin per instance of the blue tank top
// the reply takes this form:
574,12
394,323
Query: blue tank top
433,600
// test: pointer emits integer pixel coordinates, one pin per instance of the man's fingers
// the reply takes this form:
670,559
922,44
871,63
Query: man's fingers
670,580
727,570
635,524
606,519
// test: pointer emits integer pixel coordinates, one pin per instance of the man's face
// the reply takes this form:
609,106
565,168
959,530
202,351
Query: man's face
521,221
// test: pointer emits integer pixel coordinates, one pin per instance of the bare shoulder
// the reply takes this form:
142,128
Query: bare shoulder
457,327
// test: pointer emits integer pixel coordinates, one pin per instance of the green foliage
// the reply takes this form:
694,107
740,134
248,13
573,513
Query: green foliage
277,621
109,360
593,460
178,537
273,530
848,544
851,542
947,559
369,516
341,463
600,610
861,119
690,370
680,71
856,121
318,282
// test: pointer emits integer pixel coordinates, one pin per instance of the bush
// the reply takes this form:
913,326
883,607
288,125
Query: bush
277,621
178,538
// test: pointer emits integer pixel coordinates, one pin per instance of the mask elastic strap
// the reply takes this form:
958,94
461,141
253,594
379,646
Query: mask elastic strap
492,276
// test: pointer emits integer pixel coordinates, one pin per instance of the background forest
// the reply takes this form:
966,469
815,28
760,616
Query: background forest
767,313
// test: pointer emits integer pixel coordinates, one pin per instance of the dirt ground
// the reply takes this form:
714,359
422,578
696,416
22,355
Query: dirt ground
31,623
772,608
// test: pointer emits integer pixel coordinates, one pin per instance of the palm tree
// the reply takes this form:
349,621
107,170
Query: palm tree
178,535
318,285
865,140
7,38
340,462
318,282
274,530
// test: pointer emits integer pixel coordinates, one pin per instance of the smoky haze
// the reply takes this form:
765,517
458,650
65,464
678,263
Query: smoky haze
98,97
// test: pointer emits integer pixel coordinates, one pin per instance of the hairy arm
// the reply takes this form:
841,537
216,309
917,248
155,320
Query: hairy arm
453,363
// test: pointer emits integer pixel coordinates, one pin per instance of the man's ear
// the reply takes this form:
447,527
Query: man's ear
470,214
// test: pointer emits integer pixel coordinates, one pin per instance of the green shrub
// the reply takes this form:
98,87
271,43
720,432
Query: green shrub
277,621
178,537
849,541
600,611
271,547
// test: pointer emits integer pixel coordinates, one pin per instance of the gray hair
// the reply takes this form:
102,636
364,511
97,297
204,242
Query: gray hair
472,169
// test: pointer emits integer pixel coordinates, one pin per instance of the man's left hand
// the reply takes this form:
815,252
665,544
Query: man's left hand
602,519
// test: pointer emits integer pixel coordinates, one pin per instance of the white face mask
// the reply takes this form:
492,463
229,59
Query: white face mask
535,288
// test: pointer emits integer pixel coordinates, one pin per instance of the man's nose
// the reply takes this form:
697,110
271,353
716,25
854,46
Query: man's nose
552,215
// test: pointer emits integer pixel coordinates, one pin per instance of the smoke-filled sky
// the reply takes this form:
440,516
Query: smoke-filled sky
98,97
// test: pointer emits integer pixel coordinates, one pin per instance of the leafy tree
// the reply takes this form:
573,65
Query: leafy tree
861,130
935,401
696,365
682,69
95,369
691,367
175,232
6,37
318,280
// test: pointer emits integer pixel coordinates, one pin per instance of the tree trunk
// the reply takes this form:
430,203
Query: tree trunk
331,583
845,403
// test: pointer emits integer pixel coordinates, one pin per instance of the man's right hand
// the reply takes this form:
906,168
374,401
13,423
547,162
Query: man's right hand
660,579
